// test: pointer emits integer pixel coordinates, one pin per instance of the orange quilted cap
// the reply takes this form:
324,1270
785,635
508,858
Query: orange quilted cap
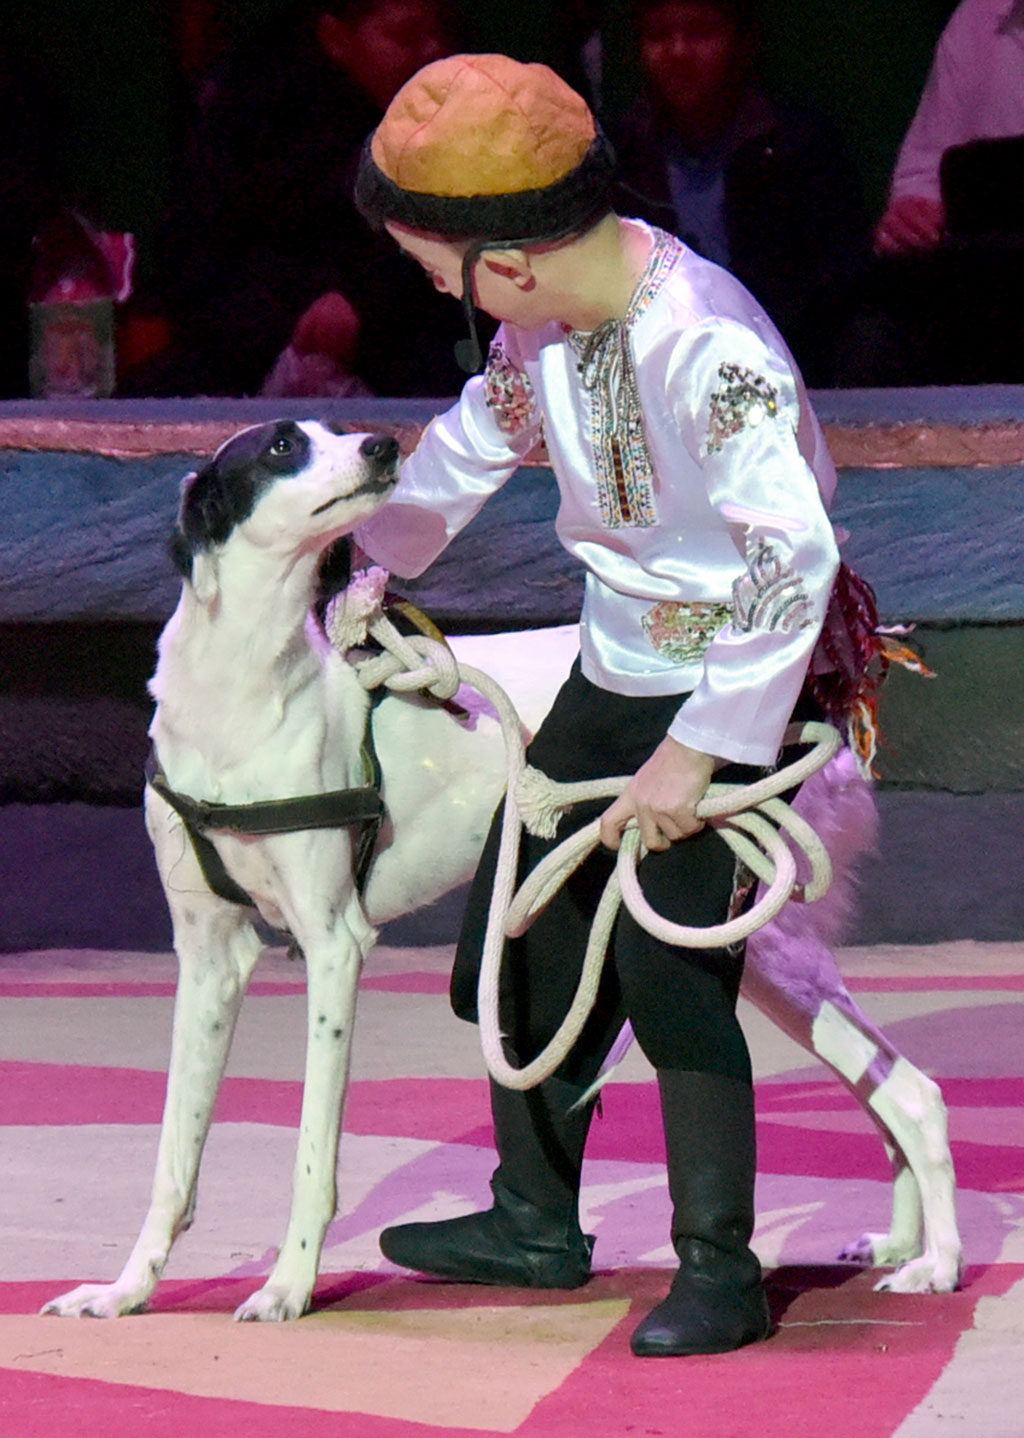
483,147
482,125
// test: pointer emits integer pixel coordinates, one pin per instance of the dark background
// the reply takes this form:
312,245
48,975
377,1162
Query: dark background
121,74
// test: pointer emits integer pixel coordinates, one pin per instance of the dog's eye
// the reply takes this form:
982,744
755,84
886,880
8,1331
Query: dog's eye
281,445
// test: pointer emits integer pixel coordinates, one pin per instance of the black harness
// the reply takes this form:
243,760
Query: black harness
338,809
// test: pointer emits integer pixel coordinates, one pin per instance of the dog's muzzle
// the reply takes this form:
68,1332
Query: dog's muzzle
382,452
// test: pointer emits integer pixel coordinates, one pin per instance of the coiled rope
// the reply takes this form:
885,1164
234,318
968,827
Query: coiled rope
750,818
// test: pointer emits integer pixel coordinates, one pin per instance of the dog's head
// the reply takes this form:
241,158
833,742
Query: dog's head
292,487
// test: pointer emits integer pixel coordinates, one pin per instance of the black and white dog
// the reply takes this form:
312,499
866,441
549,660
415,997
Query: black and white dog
254,705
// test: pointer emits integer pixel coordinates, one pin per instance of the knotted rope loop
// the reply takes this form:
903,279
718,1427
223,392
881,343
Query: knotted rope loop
409,664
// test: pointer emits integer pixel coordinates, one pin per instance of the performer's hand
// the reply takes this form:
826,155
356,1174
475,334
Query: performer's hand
912,222
662,796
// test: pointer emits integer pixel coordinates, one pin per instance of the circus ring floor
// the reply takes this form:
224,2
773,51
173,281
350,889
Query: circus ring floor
84,1037
86,983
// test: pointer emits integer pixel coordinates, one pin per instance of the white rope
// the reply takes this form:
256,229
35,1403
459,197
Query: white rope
769,857
748,817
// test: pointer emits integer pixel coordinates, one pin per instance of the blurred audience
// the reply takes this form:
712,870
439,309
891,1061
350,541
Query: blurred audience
944,302
322,355
264,279
975,91
754,182
30,196
263,253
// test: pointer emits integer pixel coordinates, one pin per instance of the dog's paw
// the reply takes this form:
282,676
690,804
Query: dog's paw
927,1274
878,1250
273,1304
95,1300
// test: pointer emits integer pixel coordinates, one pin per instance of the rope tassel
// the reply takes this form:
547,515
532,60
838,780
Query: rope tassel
542,802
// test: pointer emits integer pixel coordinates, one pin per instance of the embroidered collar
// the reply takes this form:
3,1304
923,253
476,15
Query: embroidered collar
662,260
622,461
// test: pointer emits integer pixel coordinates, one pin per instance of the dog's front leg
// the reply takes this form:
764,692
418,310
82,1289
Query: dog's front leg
333,964
217,948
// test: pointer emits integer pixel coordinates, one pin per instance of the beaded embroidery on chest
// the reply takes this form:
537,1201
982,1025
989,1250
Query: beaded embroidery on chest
622,461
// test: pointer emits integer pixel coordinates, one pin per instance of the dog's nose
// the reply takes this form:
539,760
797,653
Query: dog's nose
380,447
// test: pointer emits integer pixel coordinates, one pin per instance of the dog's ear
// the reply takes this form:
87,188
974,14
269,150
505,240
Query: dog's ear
181,551
181,554
190,545
213,501
333,574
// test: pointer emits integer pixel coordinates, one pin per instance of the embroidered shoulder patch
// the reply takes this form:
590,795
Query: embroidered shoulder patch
769,595
682,630
508,392
744,401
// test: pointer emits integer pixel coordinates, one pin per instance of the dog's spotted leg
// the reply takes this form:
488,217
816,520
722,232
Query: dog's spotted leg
208,998
217,948
794,979
333,963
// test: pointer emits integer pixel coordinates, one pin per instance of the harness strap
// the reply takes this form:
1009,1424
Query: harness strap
337,809
214,872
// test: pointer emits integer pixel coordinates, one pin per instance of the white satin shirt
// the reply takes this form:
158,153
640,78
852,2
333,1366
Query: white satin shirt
702,526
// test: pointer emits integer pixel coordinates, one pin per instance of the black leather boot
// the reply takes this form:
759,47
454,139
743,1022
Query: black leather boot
531,1238
717,1301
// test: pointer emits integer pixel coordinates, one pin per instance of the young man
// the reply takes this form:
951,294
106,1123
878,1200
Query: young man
750,179
691,473
260,249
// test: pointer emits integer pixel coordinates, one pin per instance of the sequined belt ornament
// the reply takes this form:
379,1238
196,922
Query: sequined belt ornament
681,630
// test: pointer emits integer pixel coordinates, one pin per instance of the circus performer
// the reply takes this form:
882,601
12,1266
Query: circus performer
694,480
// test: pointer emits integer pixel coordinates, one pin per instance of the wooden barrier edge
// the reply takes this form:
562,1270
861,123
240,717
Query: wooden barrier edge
917,445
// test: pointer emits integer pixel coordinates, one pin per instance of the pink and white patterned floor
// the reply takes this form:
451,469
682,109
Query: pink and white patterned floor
83,1043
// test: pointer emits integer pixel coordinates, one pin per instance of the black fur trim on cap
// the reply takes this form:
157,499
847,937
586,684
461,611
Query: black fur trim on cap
572,203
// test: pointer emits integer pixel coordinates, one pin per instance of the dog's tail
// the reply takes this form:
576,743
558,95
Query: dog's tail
839,804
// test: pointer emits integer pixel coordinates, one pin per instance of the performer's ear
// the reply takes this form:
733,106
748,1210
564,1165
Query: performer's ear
511,265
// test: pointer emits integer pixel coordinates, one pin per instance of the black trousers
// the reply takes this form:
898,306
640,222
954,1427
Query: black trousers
681,1002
